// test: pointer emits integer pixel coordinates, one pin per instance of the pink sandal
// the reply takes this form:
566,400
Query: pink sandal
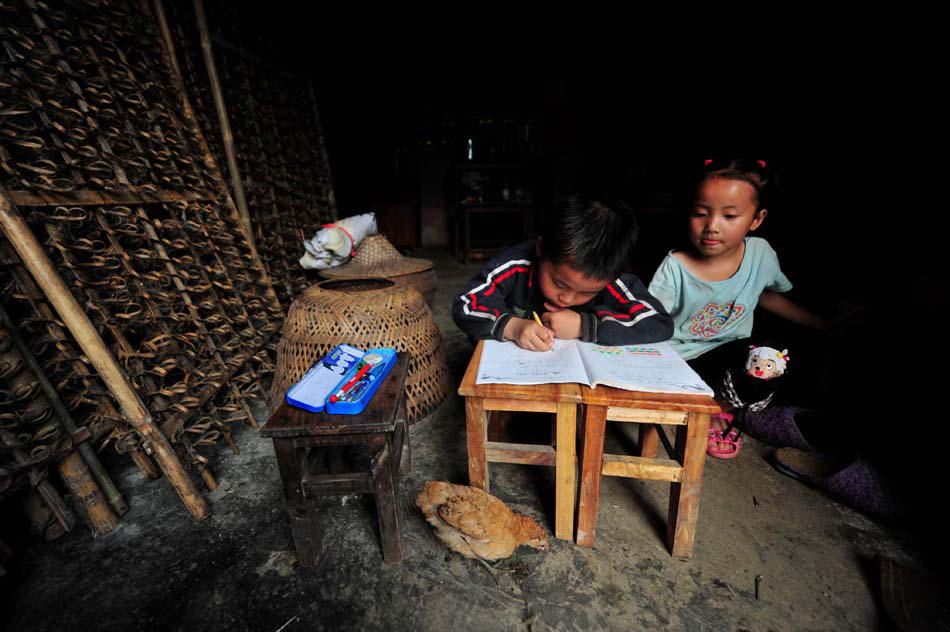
732,439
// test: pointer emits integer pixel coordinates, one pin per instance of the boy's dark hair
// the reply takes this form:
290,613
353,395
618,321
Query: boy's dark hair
753,172
594,235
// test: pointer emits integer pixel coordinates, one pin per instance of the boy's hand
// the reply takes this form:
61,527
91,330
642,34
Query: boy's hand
565,323
528,334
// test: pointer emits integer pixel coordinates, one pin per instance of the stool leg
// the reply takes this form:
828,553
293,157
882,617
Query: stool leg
684,496
404,449
649,440
595,422
302,511
565,471
387,506
476,424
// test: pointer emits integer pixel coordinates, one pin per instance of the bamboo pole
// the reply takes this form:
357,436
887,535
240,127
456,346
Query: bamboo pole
65,419
25,281
207,156
99,198
226,135
79,480
155,443
40,483
43,493
145,464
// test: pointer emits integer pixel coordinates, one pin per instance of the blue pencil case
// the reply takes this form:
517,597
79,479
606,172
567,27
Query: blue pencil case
369,374
324,378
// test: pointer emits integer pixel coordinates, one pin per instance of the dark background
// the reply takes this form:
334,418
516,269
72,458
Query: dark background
635,115
639,142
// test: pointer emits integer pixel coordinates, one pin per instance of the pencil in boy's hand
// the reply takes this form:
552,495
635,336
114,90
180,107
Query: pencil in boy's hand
536,319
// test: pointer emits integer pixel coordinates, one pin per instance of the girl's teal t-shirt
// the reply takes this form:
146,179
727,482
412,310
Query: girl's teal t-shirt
707,314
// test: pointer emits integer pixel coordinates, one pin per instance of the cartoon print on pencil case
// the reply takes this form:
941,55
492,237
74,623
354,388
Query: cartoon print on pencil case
714,318
338,363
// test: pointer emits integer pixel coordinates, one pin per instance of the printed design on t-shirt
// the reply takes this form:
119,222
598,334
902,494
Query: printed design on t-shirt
519,312
714,318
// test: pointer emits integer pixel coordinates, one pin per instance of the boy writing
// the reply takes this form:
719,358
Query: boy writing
571,275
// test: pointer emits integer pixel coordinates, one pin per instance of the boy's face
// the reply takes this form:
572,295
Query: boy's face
563,286
724,213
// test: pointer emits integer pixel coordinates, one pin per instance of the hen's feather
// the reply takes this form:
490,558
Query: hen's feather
474,523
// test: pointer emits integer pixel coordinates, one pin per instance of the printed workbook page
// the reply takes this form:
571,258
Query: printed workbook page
653,368
507,363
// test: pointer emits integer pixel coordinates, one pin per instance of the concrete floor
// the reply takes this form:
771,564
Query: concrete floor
237,571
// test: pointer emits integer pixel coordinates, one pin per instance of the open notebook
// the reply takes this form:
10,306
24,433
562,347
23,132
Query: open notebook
653,368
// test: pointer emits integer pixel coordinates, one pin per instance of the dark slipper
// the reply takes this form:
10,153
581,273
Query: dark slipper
776,426
810,468
857,485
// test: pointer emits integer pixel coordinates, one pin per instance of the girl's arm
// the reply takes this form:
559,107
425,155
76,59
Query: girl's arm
776,303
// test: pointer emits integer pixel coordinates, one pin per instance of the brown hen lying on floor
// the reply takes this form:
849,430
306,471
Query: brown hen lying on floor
475,523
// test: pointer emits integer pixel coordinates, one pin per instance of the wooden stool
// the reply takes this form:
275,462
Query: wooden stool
560,399
381,428
690,415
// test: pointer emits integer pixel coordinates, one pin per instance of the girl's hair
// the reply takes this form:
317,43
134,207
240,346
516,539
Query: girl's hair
754,172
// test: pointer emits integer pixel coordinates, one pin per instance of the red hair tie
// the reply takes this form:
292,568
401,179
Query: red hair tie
762,163
706,162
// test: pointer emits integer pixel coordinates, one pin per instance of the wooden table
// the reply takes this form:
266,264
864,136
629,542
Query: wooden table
381,427
688,413
560,399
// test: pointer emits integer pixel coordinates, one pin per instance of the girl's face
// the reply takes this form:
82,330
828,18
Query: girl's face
724,213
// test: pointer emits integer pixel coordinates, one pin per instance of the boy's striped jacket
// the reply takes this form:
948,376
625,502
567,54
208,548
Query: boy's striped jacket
623,313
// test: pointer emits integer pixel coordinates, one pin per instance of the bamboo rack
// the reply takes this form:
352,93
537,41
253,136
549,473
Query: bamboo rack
65,420
35,259
272,116
129,208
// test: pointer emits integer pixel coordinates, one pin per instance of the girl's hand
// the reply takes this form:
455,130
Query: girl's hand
565,323
528,334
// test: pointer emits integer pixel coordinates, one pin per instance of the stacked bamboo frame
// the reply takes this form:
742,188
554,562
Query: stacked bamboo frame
265,123
123,257
36,431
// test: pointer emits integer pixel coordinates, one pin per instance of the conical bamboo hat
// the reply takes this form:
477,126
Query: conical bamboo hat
376,257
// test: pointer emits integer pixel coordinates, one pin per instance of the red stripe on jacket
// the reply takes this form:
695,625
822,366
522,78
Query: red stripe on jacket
634,308
617,294
502,278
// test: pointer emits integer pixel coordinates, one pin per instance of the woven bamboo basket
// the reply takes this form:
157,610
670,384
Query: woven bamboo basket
377,258
364,313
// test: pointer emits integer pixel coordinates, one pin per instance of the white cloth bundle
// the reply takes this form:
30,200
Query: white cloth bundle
332,246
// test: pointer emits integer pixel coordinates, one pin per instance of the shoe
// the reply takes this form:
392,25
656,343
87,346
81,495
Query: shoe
857,484
732,439
776,426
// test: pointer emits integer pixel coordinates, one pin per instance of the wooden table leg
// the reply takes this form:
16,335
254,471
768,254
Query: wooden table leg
690,450
387,505
404,459
302,511
476,423
566,464
595,422
649,440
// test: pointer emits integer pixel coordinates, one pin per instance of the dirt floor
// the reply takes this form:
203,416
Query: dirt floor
161,570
